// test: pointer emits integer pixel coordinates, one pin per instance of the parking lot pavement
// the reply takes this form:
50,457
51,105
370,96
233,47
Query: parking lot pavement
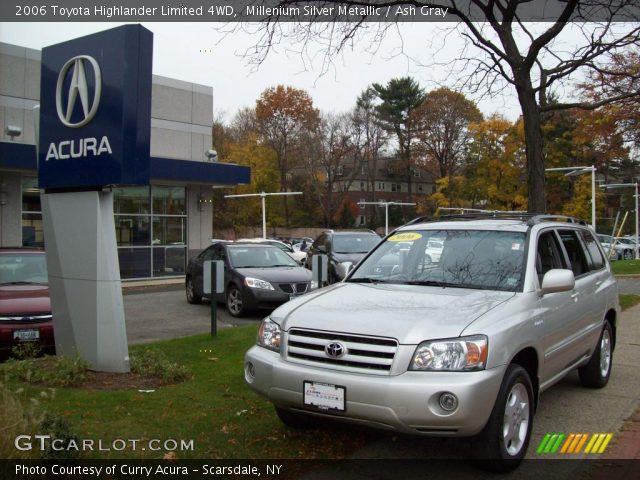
163,313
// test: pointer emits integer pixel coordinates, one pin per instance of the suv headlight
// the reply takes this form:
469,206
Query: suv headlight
453,354
269,335
257,283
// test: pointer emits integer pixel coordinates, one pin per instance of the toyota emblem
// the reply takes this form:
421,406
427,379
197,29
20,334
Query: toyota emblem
335,350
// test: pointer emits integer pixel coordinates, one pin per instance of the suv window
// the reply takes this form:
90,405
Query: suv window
320,241
548,254
597,260
575,252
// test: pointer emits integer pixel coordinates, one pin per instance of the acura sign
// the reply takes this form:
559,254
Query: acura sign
95,113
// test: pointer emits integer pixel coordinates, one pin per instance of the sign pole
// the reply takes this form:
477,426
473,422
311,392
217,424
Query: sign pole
263,195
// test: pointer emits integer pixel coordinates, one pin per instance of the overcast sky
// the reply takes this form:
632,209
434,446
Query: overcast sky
199,53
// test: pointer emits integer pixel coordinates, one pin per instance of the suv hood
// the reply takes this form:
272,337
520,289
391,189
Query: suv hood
24,299
411,314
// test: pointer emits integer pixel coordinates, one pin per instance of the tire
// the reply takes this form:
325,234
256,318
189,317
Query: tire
235,303
503,442
190,291
596,373
628,255
296,420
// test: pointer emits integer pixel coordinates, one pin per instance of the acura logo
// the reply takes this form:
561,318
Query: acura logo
78,89
335,349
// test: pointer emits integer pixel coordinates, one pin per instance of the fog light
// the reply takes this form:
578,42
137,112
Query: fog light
448,402
249,372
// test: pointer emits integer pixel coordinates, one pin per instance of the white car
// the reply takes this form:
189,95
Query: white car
298,256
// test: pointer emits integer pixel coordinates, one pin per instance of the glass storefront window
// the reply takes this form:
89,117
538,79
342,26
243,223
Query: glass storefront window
132,230
169,200
135,262
169,230
151,217
132,200
169,260
32,233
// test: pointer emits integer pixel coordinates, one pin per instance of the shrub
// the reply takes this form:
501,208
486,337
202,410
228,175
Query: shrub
27,350
51,371
58,428
153,363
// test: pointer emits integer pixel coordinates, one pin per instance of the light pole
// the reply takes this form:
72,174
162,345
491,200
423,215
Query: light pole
386,211
627,185
574,171
263,195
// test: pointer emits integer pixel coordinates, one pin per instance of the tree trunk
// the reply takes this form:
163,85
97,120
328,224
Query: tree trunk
537,202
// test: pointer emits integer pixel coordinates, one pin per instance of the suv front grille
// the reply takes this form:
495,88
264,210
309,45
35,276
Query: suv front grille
372,354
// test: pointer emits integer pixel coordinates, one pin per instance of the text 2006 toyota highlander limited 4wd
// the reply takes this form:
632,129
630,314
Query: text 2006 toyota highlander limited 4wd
458,347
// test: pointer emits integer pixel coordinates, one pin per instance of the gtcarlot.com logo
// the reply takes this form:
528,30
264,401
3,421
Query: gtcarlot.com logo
574,443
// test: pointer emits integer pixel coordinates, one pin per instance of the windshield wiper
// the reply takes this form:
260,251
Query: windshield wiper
22,283
434,283
367,280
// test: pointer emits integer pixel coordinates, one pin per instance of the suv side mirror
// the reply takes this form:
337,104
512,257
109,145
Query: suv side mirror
321,248
342,269
558,280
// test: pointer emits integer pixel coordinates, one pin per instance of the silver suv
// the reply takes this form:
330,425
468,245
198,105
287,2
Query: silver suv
458,346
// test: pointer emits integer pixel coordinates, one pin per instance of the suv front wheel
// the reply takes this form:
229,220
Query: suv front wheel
504,440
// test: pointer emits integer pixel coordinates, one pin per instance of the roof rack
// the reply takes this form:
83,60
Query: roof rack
477,214
539,218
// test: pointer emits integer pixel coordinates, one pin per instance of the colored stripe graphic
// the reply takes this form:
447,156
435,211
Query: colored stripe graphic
573,443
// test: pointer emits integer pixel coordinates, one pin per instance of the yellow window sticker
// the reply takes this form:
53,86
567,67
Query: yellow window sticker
405,237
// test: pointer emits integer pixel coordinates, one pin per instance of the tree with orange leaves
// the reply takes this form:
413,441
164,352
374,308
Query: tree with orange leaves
283,115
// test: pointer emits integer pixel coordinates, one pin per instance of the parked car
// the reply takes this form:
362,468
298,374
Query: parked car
297,255
255,276
628,243
462,347
341,248
25,308
614,249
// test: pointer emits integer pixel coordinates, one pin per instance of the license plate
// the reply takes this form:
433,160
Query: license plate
27,335
324,396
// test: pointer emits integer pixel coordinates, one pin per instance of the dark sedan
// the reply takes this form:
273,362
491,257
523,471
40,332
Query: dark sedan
25,309
255,276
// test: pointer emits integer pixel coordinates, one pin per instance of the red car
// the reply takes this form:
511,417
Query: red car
25,308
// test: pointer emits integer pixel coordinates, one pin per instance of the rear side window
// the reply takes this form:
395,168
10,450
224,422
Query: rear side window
597,260
575,252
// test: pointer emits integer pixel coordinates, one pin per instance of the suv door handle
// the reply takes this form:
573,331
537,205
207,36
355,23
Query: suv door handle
598,283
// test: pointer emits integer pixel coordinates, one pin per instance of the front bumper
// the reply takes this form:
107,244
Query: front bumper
406,403
255,298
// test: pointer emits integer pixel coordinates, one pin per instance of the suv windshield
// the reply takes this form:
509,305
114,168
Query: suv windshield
17,268
450,258
354,243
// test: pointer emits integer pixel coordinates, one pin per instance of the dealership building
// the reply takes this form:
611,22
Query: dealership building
158,226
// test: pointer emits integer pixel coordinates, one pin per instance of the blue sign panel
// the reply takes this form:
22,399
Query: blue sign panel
95,110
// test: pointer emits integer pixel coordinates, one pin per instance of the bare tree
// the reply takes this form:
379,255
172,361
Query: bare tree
331,150
515,52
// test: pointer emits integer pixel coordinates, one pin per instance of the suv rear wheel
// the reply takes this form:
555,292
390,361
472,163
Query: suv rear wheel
504,440
595,374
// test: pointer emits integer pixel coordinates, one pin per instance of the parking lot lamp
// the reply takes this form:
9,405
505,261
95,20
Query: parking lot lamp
386,211
574,171
627,185
263,195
